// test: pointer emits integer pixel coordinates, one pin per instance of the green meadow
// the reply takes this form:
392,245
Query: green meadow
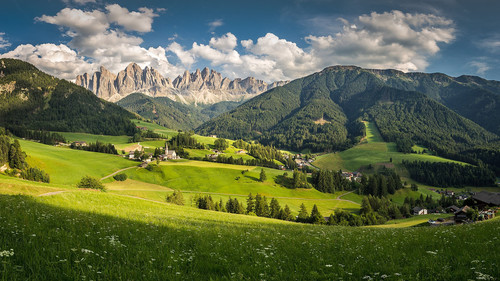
372,150
85,235
67,166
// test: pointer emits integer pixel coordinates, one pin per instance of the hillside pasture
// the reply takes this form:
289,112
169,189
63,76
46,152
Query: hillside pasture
67,166
85,235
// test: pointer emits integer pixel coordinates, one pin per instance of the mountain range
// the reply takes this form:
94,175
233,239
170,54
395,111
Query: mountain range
200,87
323,111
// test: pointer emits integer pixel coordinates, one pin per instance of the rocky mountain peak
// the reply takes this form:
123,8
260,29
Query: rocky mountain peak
205,86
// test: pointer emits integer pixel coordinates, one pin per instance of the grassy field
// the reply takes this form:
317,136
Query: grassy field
68,166
116,140
373,150
84,235
412,221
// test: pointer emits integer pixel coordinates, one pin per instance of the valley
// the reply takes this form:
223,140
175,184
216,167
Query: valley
298,146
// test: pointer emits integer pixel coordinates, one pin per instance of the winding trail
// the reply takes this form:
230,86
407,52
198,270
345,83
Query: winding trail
121,170
52,193
338,197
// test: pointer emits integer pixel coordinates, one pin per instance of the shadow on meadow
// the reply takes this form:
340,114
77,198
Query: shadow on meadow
94,236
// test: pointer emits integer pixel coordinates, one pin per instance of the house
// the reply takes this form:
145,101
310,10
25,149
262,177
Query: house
143,164
79,143
417,211
281,167
241,151
486,214
142,128
452,209
485,198
461,215
213,136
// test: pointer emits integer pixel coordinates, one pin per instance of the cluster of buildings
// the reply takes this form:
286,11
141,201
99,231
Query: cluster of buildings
354,176
487,204
301,161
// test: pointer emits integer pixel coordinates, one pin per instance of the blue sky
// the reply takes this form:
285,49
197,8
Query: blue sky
271,40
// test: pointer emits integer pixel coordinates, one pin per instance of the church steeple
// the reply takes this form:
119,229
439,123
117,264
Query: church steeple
166,148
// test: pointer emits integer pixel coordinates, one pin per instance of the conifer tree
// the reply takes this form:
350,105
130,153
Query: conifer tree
316,217
250,204
263,176
303,216
275,208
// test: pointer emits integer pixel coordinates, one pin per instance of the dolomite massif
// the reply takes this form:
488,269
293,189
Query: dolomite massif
205,86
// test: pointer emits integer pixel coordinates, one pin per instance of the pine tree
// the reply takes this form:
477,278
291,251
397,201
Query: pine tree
286,214
263,176
250,204
303,216
316,217
275,208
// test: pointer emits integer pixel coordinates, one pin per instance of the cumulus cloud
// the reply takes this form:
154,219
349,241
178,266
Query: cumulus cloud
51,58
491,44
378,40
135,21
98,37
3,42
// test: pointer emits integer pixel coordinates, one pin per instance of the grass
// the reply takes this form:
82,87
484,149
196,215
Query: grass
412,221
67,166
371,151
71,137
84,235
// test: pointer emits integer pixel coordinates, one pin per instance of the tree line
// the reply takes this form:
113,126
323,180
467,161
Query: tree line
96,147
12,154
447,174
44,137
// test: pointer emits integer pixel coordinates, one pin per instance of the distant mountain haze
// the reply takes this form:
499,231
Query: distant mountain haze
200,87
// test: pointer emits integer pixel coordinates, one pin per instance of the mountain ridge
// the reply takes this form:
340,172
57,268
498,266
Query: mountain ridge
202,86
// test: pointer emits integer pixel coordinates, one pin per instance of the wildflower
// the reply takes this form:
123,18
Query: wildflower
7,253
328,265
431,252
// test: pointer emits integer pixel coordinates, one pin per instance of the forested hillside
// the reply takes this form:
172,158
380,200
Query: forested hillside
322,112
32,99
172,114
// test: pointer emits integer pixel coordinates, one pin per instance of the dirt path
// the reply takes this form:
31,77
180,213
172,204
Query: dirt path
338,198
52,193
110,175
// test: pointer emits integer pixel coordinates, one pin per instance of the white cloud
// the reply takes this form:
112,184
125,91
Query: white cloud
225,43
379,40
51,58
135,21
491,44
97,38
480,66
185,57
216,23
3,42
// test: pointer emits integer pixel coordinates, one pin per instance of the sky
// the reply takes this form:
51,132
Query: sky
271,40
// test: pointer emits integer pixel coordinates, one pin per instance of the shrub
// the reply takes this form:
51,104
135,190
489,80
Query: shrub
90,182
176,198
120,177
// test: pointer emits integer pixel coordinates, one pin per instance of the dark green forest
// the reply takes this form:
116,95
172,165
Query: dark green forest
33,100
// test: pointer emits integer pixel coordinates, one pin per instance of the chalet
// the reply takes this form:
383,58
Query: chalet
452,209
162,157
213,136
281,167
79,143
485,199
241,151
131,155
461,215
417,211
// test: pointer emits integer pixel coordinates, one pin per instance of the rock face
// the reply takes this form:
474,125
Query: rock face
205,86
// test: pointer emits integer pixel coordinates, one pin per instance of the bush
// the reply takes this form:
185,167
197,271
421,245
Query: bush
120,177
176,198
35,174
90,182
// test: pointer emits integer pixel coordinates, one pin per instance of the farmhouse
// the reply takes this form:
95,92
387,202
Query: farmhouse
417,211
461,215
79,143
485,198
452,209
213,136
